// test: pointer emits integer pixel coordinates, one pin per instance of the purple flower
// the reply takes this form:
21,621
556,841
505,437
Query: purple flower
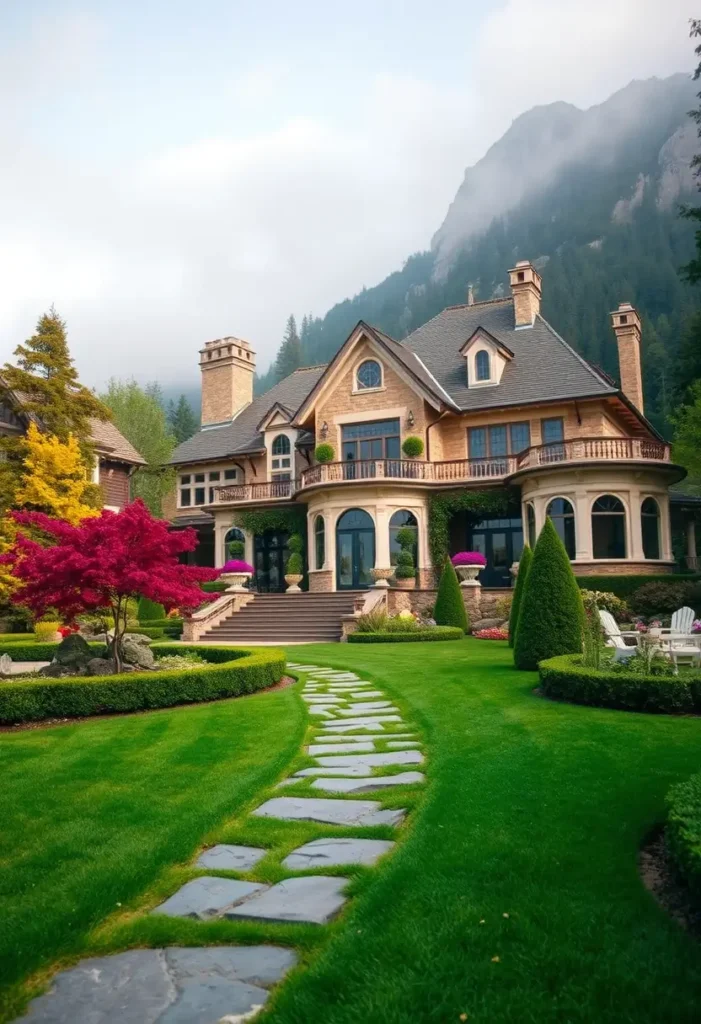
696,626
236,565
469,558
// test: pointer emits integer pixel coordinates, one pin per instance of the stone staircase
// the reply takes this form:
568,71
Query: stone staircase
286,618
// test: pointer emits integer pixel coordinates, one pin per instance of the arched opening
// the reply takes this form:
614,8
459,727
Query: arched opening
562,514
608,527
399,520
369,375
482,367
319,542
355,550
281,445
530,525
236,537
650,524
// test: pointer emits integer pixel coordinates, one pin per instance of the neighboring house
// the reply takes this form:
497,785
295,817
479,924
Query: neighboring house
116,458
498,399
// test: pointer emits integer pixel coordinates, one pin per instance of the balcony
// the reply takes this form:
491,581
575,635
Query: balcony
593,449
446,473
240,494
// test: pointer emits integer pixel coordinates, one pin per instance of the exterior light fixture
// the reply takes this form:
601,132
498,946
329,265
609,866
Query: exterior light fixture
410,419
324,429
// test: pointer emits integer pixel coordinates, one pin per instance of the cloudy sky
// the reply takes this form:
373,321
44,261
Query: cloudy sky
172,171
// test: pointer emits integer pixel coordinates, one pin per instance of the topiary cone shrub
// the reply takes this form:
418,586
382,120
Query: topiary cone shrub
450,609
524,565
149,610
551,617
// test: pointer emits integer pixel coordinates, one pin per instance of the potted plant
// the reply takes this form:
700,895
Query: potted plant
413,447
324,452
405,572
235,572
236,549
467,565
294,570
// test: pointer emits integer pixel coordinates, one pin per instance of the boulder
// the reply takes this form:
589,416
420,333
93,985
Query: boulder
486,624
101,667
136,652
73,650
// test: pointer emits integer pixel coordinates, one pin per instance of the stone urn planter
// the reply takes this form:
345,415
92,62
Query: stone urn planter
382,576
408,584
235,581
293,581
468,575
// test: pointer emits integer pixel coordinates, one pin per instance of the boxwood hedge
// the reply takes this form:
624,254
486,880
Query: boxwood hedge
432,633
624,585
17,638
25,651
684,830
565,678
231,672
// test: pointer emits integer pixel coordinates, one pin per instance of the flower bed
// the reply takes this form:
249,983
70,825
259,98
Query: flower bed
492,634
408,637
684,830
231,672
565,678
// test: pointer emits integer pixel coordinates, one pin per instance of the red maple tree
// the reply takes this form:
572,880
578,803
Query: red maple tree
101,563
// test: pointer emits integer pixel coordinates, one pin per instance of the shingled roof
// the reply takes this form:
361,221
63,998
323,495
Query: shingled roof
112,444
241,436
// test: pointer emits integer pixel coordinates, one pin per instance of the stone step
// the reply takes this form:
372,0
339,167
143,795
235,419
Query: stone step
330,812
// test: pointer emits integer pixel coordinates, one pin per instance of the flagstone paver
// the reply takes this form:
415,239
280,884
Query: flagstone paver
363,710
329,785
373,760
346,747
315,899
376,719
357,771
403,745
224,857
331,812
333,729
337,852
206,897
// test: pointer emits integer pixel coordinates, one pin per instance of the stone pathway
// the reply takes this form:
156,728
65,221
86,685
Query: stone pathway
358,735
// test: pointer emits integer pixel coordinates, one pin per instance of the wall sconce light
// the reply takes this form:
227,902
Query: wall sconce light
410,419
324,429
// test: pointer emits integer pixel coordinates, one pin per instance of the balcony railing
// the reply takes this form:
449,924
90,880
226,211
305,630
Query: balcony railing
459,471
594,449
275,490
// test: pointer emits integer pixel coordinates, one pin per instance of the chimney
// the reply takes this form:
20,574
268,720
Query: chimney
470,295
227,367
626,326
526,288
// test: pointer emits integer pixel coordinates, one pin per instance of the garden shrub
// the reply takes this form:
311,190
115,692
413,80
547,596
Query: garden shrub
324,452
214,586
566,678
684,830
606,601
149,610
414,636
230,672
413,447
33,651
449,609
658,598
236,549
374,621
17,638
551,616
625,584
524,565
502,607
44,632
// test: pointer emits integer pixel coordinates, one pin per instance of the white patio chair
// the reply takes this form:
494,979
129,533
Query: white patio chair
682,621
615,638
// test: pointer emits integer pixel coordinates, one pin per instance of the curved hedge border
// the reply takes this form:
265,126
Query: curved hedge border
232,672
434,633
34,651
684,830
565,678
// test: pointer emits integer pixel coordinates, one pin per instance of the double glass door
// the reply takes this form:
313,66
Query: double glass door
355,550
270,555
501,543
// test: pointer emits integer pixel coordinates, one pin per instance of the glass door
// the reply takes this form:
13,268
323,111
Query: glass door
501,543
271,554
355,550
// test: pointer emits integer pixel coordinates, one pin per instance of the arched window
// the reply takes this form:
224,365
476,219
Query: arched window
562,514
530,523
281,445
397,522
232,535
650,522
319,542
355,550
482,368
608,527
369,375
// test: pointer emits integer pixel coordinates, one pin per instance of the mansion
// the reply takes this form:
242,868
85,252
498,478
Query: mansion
498,401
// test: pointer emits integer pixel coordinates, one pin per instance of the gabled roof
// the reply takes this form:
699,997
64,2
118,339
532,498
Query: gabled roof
112,444
242,436
482,333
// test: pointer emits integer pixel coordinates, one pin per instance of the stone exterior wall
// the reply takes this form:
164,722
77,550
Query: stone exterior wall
621,568
321,581
227,368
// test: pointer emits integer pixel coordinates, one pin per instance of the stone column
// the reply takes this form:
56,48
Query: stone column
635,527
691,543
381,538
330,535
311,547
582,525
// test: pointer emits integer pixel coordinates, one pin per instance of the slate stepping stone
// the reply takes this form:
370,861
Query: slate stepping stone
323,700
369,719
203,898
323,853
366,785
357,771
345,727
330,733
337,738
340,748
321,712
312,900
404,745
224,857
373,760
366,693
331,812
369,710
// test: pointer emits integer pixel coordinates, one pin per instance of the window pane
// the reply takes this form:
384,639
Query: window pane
477,438
369,374
229,474
211,495
608,528
185,479
216,475
482,365
650,520
185,497
320,545
392,448
553,430
497,441
376,428
199,478
530,517
520,437
199,496
281,445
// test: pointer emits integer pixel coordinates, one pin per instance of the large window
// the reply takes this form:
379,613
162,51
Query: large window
553,430
482,366
369,375
498,441
281,462
650,522
319,542
197,489
397,522
608,527
379,439
562,514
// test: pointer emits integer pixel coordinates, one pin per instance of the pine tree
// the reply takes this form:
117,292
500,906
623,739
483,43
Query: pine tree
289,356
692,270
55,480
524,566
182,420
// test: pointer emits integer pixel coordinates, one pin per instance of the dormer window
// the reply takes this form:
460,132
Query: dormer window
281,461
482,365
368,375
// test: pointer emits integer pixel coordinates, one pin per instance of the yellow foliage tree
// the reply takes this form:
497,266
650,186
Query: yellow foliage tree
55,479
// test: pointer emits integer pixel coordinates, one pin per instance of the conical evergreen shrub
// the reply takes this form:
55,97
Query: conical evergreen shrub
149,611
450,607
524,564
551,616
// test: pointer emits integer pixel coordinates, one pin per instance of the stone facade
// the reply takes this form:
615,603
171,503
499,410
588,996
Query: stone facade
628,330
227,367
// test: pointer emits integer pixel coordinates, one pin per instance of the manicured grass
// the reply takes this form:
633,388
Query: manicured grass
535,809
92,813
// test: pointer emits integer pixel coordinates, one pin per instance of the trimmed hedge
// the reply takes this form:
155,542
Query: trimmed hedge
565,678
231,672
39,652
684,830
524,566
449,609
149,609
17,638
623,586
214,586
432,633
162,623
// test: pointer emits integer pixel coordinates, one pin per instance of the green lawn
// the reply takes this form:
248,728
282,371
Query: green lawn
533,810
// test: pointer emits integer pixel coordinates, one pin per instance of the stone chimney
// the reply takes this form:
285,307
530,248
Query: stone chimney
526,288
470,295
227,367
626,326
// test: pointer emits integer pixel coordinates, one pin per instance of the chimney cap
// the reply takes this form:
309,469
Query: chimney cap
626,316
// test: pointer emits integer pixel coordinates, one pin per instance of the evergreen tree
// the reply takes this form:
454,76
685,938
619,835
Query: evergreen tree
139,414
524,565
450,607
687,437
181,420
289,357
55,479
692,270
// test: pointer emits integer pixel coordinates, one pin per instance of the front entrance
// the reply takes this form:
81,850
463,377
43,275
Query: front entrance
501,543
270,555
355,550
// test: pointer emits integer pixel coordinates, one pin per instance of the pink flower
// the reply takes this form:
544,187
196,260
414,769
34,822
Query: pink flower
236,565
469,558
491,634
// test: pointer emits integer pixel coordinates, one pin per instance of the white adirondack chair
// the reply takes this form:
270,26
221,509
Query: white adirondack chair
682,621
615,638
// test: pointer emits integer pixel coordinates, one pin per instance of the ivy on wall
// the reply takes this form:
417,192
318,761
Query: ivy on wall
493,504
285,520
